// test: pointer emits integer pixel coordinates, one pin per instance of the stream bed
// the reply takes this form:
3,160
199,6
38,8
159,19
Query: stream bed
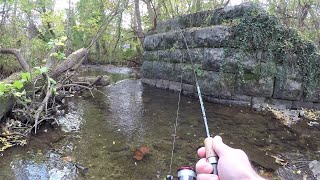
99,135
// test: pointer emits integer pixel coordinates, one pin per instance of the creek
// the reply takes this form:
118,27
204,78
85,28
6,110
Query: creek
102,133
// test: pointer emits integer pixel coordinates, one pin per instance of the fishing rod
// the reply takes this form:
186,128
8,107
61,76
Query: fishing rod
186,172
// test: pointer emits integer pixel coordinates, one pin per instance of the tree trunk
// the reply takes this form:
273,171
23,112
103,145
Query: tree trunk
138,21
68,31
118,36
152,15
4,13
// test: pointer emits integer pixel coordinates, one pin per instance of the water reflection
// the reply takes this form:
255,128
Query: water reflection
37,167
126,107
72,120
134,115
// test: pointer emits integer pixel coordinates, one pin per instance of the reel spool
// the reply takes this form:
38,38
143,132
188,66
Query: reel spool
184,173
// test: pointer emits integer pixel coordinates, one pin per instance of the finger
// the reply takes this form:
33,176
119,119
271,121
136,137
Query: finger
207,177
219,147
203,166
202,152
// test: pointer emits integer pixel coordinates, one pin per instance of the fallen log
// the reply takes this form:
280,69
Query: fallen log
71,63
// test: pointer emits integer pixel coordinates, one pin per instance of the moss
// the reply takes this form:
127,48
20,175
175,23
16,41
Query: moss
258,31
250,77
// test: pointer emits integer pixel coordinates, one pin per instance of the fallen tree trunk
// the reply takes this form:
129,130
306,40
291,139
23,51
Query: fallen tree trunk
71,63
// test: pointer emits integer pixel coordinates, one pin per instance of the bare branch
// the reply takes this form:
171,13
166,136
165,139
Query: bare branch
18,55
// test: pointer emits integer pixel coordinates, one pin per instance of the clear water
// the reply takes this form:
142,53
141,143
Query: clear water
106,130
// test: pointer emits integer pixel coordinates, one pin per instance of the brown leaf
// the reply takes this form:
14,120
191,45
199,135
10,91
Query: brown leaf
138,155
144,149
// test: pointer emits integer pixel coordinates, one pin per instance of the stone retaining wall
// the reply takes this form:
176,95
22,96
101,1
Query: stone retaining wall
211,46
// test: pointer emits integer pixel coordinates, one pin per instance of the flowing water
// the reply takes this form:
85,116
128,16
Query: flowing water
102,133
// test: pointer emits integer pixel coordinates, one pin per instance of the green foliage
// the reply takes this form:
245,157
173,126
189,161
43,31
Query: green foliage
16,88
258,31
59,43
197,68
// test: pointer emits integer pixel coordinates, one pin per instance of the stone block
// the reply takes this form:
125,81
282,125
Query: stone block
150,56
204,18
163,70
152,42
186,71
213,58
151,82
279,103
188,89
262,87
147,69
175,86
163,84
290,90
217,84
227,101
239,97
301,104
316,106
260,100
313,97
215,36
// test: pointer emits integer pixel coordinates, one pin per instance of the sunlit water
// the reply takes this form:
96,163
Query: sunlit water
105,130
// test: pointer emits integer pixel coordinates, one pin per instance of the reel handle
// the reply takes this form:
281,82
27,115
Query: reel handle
211,156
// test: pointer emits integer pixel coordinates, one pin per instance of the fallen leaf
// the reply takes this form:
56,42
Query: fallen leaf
144,150
138,155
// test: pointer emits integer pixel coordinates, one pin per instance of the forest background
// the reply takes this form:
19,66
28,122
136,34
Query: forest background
33,26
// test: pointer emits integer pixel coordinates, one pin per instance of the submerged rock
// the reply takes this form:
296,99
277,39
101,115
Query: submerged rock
95,80
52,168
315,168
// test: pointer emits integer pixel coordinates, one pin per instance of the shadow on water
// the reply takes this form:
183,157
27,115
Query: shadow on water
103,132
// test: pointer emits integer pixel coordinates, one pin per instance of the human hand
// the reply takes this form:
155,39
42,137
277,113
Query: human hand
233,164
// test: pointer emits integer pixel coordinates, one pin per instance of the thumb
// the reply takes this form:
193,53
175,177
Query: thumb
219,147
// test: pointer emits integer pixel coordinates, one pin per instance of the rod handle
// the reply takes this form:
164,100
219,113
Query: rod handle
211,156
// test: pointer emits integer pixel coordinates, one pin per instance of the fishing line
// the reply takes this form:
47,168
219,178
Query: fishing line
176,122
212,158
198,88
